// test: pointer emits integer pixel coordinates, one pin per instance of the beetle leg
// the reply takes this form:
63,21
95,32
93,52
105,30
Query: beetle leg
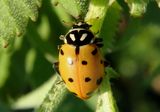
56,68
99,45
59,82
98,42
96,32
106,63
59,46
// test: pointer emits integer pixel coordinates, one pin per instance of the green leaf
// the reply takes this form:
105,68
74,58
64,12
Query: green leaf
4,65
34,98
112,73
158,2
137,7
76,8
14,16
109,27
3,107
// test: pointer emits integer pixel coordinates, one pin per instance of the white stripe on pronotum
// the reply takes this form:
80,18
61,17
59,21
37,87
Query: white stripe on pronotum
83,36
72,36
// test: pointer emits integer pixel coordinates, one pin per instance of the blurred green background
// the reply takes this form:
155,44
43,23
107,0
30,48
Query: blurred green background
132,47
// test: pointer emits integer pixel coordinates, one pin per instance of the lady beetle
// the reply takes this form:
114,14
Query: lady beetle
81,64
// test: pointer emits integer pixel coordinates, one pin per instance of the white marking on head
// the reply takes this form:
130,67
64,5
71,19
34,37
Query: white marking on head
70,61
79,24
72,37
83,36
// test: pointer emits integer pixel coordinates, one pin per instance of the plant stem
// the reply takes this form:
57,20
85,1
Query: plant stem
96,13
54,97
106,102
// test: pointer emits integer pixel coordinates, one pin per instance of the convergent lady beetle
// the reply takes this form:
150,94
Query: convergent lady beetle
81,65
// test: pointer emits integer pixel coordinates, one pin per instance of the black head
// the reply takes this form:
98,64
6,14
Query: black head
79,35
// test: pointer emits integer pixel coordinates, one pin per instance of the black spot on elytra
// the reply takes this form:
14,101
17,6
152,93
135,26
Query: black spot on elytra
87,79
70,79
84,62
99,81
61,51
94,52
101,61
